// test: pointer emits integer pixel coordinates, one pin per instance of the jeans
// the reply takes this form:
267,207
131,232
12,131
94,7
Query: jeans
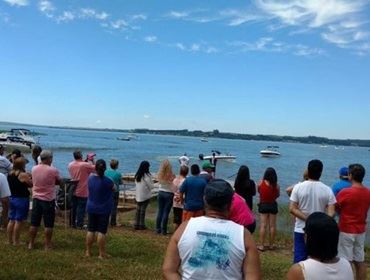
140,213
113,217
165,200
78,211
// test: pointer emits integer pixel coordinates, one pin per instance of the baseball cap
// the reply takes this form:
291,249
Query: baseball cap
343,172
218,193
207,164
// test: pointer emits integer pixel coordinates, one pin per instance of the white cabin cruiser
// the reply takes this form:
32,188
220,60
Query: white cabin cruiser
270,151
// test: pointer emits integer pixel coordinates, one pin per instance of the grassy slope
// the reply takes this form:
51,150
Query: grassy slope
135,255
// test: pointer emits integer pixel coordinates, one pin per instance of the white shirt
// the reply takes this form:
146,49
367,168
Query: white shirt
5,165
184,160
315,270
211,248
144,188
4,187
311,196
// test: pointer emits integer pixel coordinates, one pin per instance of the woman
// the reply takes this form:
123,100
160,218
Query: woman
322,235
144,185
165,196
241,214
99,206
244,186
19,183
177,204
36,151
269,191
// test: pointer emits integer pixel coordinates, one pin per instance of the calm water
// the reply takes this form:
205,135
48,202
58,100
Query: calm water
155,148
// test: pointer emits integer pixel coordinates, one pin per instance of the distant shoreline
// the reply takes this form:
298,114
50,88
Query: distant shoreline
222,135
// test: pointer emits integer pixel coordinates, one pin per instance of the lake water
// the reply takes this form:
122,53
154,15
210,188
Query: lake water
154,148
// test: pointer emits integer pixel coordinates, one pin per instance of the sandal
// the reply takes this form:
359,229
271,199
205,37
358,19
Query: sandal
261,248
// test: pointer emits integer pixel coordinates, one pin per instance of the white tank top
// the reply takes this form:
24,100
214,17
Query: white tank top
315,270
212,248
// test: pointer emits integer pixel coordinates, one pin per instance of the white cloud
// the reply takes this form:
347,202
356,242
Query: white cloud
119,24
139,17
150,39
180,46
66,16
176,14
91,13
19,3
195,47
46,7
238,17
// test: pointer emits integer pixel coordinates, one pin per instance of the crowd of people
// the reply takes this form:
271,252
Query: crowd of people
214,221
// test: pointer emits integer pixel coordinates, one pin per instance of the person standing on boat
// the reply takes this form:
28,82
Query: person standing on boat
184,160
165,178
5,164
44,179
269,191
308,197
80,171
143,185
116,177
213,162
244,186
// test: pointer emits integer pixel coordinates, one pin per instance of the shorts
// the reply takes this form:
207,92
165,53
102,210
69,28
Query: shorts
19,207
300,252
98,223
177,215
251,227
43,209
268,208
186,215
351,246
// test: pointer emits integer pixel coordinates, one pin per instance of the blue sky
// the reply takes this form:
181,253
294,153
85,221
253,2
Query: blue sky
292,67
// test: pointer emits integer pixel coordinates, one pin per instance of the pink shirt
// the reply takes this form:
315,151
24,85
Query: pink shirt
81,170
240,212
44,178
177,182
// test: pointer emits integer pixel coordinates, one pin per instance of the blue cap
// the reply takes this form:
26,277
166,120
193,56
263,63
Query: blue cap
343,172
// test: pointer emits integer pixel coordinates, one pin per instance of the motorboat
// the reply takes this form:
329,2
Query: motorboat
203,139
217,155
270,151
124,138
12,143
20,135
128,137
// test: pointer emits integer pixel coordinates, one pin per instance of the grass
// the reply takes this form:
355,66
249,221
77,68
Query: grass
135,255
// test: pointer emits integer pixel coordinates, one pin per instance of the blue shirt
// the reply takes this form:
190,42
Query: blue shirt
116,177
342,184
100,200
193,188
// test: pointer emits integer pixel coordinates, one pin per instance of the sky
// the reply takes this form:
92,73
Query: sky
284,67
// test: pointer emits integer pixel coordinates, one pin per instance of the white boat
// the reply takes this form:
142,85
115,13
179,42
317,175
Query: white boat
203,139
18,135
220,157
270,151
9,146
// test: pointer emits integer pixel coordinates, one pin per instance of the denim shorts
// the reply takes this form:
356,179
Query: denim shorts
19,207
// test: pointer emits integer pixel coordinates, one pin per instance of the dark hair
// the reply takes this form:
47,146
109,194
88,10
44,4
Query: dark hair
270,176
143,169
194,169
218,195
184,170
242,177
357,172
322,236
114,164
100,167
77,154
314,169
36,151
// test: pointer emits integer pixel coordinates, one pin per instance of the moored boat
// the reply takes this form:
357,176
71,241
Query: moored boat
270,151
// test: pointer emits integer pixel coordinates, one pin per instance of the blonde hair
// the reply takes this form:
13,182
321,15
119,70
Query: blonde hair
165,173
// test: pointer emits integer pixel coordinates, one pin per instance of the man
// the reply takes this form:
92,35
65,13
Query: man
343,181
5,164
44,178
353,205
308,197
80,171
212,247
4,199
184,160
116,178
207,172
193,189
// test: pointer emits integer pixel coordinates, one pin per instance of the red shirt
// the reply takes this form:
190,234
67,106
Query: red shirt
268,194
353,203
44,178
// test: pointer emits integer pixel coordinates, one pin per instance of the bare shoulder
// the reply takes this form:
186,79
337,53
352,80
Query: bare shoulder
295,273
